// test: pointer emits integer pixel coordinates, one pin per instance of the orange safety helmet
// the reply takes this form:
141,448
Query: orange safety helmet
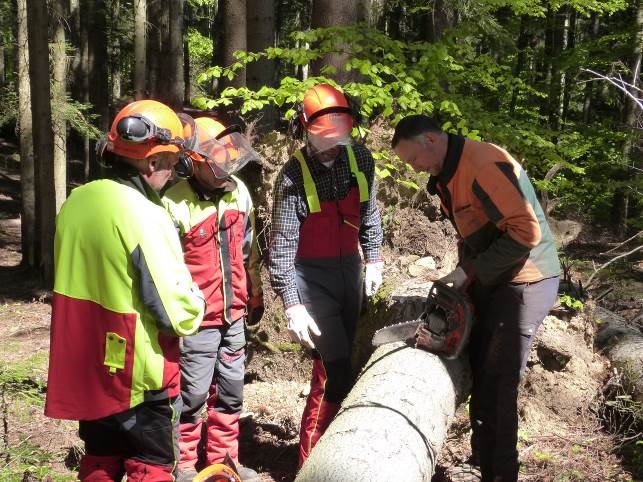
326,112
144,128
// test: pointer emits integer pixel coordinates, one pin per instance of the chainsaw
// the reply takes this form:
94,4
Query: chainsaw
443,328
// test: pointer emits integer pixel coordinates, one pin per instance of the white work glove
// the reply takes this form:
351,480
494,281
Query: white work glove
301,325
458,278
373,277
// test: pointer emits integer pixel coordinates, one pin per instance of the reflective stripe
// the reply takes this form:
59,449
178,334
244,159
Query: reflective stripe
309,184
359,175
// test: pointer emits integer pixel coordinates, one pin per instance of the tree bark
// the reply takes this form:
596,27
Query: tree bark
140,66
520,60
43,138
622,344
174,56
27,181
59,99
589,86
233,37
557,80
154,41
439,19
115,59
329,13
394,421
261,35
97,65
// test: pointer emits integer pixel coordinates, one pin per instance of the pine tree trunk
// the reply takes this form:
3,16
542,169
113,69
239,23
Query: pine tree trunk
329,13
140,67
557,80
520,60
115,60
154,13
174,56
97,65
43,138
233,37
589,86
59,99
261,35
27,181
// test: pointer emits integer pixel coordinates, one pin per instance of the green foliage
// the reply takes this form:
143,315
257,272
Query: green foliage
570,302
9,102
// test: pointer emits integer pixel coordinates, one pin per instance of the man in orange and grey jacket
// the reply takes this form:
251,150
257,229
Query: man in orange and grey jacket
213,212
122,297
324,209
509,263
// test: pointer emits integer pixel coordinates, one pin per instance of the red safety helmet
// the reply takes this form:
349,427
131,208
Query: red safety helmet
144,128
327,115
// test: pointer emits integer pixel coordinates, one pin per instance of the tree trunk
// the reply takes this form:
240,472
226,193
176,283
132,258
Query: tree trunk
43,138
2,54
233,37
630,116
557,80
27,181
395,419
261,35
98,73
115,60
174,56
622,344
589,86
329,13
187,89
154,14
571,44
59,99
439,19
140,68
520,60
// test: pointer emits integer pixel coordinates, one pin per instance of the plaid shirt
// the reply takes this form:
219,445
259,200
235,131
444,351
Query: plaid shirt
290,210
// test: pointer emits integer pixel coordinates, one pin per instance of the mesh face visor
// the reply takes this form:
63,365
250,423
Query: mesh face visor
329,130
227,154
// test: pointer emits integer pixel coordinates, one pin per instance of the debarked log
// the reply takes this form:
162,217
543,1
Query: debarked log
622,344
394,421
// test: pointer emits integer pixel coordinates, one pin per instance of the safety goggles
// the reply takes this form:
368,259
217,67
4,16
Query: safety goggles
139,129
227,154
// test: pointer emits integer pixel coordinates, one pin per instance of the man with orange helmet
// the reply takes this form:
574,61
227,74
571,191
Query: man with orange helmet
122,297
213,211
324,209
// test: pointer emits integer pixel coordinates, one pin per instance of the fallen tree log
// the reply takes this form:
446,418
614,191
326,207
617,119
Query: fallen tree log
622,344
394,421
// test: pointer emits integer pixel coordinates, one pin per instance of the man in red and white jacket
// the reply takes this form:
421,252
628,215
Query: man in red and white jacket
213,212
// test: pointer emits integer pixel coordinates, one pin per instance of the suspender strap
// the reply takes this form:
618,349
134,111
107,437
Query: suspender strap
309,185
311,190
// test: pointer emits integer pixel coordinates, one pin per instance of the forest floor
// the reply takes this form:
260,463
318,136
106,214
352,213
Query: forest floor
565,434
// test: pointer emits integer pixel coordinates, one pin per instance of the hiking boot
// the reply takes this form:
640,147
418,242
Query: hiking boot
464,473
185,475
246,474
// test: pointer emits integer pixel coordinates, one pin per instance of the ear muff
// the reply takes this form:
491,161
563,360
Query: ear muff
185,167
296,125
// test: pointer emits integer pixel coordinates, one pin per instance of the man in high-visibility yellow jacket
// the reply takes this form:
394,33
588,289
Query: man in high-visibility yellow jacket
122,297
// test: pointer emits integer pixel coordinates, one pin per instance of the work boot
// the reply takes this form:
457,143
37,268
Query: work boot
246,474
464,473
185,475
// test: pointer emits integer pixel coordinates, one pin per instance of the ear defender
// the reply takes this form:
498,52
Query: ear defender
185,167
